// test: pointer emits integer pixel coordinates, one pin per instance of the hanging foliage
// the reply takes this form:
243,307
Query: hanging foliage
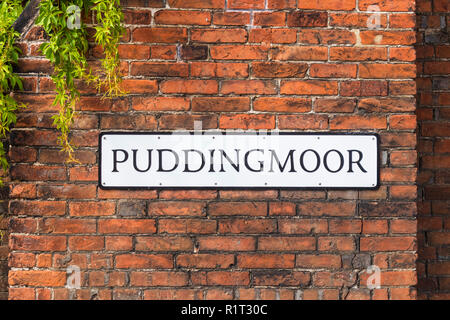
9,55
109,30
67,49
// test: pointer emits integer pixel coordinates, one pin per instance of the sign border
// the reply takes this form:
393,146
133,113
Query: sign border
268,132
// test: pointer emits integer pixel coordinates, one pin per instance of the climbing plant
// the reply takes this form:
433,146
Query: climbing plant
67,48
9,55
109,30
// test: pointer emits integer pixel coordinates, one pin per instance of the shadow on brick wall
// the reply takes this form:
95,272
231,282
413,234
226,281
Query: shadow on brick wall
433,96
3,244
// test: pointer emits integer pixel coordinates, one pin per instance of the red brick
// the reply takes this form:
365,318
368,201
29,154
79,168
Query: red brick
387,71
375,227
279,70
176,208
67,191
164,52
358,122
237,208
270,104
134,51
159,69
266,36
388,37
403,226
248,87
355,20
333,70
387,105
397,278
388,244
38,208
219,70
364,88
22,260
336,244
37,278
21,294
238,52
319,209
335,105
247,226
172,294
398,5
402,54
208,261
265,261
118,243
164,243
200,226
159,278
224,278
67,226
200,104
326,37
248,194
182,17
286,243
188,194
186,121
282,209
276,18
219,35
281,278
144,261
329,5
318,261
247,121
281,4
160,35
229,243
38,243
402,87
140,122
357,54
144,226
307,19
345,226
309,87
231,18
299,53
245,4
124,194
190,86
86,243
160,104
302,226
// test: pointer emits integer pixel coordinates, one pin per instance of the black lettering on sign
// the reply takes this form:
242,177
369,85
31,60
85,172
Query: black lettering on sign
302,163
261,163
186,160
116,161
149,160
290,158
358,162
177,160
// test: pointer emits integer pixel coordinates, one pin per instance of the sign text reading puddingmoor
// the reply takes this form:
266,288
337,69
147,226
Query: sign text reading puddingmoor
245,160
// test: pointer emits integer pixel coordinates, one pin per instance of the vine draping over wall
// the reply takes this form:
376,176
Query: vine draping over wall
66,49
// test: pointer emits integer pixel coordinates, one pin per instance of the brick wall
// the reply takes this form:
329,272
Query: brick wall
236,64
433,53
3,243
